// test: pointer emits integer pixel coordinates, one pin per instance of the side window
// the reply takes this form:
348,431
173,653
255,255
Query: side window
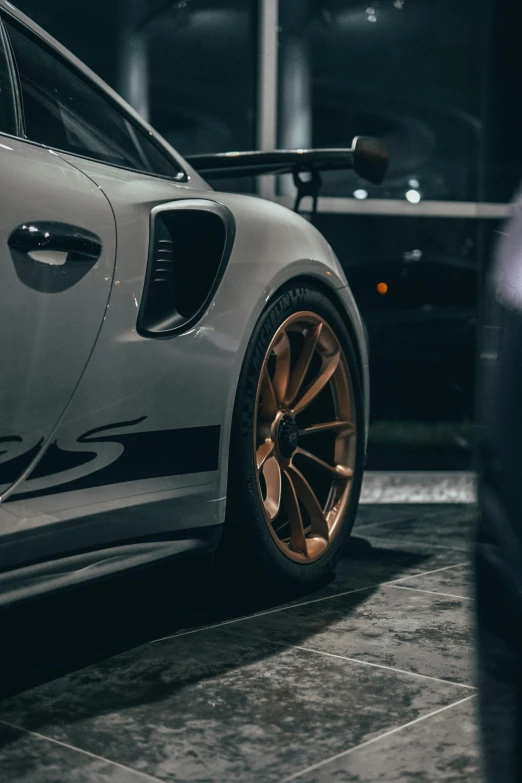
63,110
7,113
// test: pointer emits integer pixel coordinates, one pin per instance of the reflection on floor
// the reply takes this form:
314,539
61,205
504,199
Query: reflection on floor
413,444
164,677
419,486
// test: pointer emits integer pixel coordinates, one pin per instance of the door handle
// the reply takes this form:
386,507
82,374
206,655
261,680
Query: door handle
55,243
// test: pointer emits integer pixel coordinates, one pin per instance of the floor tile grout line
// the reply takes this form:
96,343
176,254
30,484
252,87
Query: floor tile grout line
442,503
262,614
373,740
425,573
415,543
382,524
432,592
44,737
426,516
361,525
353,660
304,603
389,668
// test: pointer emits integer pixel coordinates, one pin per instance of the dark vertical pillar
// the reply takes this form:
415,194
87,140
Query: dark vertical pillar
133,82
502,104
295,79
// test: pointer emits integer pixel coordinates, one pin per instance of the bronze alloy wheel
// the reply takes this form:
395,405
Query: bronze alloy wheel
305,436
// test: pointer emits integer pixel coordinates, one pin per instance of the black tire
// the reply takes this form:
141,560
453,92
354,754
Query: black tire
247,547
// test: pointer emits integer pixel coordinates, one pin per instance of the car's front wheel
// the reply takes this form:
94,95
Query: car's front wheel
297,444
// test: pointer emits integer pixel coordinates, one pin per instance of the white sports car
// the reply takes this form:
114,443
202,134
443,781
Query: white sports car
181,370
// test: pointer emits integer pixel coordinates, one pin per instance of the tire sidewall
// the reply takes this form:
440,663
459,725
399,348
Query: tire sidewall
244,507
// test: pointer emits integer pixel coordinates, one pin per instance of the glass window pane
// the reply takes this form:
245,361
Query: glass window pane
199,64
64,111
203,78
7,116
416,282
409,72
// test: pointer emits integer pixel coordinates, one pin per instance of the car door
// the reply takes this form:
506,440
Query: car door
57,256
76,123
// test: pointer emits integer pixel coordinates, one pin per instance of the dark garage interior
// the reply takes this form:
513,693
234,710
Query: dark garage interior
435,81
175,673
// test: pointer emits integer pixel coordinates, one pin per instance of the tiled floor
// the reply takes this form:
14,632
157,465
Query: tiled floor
368,680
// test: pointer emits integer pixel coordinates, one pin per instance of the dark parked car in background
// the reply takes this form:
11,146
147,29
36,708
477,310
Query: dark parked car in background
420,313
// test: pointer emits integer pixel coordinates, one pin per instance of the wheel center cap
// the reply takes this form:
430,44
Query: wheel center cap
287,436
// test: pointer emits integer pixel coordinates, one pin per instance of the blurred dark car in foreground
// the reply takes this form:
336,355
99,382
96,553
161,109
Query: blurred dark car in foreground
499,534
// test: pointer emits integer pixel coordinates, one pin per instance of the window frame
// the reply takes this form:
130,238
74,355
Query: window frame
6,50
181,177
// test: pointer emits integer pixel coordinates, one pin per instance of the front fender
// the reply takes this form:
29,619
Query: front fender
159,387
274,246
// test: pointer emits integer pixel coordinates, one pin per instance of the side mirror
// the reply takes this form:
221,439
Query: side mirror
370,158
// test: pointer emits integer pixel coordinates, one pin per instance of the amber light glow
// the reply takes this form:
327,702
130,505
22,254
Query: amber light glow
382,288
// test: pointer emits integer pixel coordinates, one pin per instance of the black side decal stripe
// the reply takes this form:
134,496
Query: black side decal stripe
13,468
145,455
87,436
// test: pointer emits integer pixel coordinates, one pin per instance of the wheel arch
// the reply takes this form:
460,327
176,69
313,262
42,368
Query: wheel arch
332,294
338,302
356,336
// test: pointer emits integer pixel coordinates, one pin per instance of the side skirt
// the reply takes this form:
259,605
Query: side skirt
48,576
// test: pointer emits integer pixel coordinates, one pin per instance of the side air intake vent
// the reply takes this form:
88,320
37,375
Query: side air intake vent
189,248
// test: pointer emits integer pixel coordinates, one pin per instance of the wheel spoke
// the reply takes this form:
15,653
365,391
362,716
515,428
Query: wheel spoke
272,476
341,427
339,471
268,398
263,452
295,519
309,500
282,368
330,364
304,503
316,545
303,363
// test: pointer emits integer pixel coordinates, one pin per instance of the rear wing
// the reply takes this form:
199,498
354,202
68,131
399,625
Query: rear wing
367,156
